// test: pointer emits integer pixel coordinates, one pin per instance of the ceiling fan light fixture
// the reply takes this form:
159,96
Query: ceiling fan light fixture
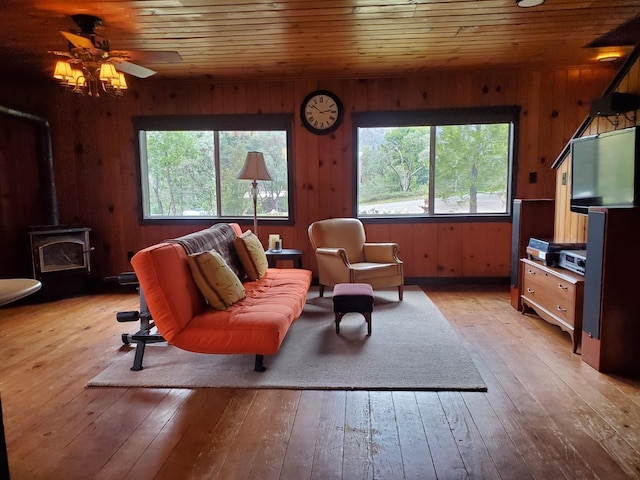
529,3
108,73
89,66
78,80
609,57
62,71
119,83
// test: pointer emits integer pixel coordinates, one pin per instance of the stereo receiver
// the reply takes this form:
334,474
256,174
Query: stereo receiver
548,251
574,260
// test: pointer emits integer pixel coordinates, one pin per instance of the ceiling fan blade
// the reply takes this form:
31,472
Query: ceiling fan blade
133,69
149,56
155,56
61,54
77,40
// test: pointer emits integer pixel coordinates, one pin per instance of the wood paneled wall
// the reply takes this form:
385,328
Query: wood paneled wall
96,176
569,226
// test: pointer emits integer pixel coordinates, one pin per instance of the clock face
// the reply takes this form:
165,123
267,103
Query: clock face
321,112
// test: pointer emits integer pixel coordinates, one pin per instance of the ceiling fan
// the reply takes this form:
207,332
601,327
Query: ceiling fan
90,66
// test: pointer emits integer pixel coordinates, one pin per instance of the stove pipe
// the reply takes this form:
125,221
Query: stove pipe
45,158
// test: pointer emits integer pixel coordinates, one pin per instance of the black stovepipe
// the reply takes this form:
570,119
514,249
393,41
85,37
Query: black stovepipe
45,158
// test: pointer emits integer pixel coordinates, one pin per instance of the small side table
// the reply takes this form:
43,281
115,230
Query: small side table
285,254
12,289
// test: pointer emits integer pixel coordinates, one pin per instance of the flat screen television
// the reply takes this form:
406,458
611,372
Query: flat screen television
605,170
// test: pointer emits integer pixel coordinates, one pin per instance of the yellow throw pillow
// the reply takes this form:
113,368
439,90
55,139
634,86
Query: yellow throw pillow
251,255
217,282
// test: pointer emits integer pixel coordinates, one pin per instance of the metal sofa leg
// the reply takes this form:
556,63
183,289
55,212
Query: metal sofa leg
259,364
137,360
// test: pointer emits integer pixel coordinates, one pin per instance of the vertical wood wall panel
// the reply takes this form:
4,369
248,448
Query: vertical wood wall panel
96,164
569,226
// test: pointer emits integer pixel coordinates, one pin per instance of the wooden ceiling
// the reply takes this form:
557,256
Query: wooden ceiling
318,38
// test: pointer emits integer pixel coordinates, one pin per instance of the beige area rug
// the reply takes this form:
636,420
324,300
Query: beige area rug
412,347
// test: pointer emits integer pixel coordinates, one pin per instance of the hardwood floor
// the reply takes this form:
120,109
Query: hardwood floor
546,413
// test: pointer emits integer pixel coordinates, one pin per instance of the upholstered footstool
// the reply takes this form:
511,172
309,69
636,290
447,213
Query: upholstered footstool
353,297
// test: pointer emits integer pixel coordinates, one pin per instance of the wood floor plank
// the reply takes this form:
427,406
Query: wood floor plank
255,451
385,442
50,433
329,447
549,439
243,448
131,459
552,439
274,436
358,461
506,455
585,430
298,459
587,437
619,434
531,439
182,440
546,413
474,452
416,457
446,457
89,451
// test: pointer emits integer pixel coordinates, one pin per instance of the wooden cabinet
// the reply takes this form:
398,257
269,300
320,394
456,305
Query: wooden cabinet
556,295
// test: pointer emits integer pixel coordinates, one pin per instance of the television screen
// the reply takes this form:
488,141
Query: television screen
604,169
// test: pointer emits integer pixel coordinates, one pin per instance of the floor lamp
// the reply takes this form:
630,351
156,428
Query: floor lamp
254,169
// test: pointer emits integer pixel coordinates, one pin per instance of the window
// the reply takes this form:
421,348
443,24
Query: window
188,166
435,163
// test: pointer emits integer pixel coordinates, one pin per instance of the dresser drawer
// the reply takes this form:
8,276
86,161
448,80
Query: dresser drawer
554,293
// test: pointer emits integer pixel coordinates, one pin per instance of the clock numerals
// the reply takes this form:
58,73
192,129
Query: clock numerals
321,112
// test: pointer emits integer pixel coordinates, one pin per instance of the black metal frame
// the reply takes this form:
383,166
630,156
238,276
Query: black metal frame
145,335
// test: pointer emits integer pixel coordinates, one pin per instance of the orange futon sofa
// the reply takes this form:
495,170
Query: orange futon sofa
255,324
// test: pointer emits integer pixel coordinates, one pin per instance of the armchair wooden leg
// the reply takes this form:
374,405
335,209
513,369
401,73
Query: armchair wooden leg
321,290
400,291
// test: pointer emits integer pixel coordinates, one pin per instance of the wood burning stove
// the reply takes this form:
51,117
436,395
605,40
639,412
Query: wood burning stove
60,251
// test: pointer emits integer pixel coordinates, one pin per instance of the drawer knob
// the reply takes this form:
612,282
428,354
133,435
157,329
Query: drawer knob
560,309
562,287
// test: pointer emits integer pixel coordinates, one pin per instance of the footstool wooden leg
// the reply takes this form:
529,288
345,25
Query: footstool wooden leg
339,316
367,317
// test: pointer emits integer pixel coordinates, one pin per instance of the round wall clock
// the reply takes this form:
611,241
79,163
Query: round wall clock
321,112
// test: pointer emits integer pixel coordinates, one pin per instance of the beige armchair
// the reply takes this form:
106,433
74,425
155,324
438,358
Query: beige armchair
344,256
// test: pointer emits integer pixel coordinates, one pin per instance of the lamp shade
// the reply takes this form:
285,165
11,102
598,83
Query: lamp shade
254,168
108,73
120,82
62,71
